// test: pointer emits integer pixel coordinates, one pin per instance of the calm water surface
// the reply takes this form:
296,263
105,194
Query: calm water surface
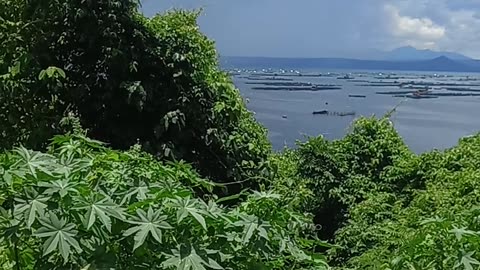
425,124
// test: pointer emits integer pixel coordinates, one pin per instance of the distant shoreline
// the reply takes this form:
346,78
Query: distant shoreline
439,64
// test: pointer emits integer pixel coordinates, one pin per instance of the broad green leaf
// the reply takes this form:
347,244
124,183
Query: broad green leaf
186,258
149,222
62,187
31,207
250,225
99,208
60,236
213,264
468,262
185,207
140,192
61,73
7,177
460,232
41,75
36,161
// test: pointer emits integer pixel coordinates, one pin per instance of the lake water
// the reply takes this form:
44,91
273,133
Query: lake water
425,124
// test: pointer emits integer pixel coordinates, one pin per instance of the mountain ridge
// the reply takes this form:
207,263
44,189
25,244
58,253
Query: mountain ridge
409,53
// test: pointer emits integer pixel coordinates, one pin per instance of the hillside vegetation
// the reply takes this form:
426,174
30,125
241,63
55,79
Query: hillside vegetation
124,146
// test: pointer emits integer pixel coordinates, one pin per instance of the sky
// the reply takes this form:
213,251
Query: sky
333,28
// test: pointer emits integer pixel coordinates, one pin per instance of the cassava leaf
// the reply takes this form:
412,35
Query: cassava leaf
60,236
31,207
185,207
150,222
101,208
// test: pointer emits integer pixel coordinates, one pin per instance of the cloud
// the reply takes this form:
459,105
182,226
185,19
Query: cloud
340,28
421,32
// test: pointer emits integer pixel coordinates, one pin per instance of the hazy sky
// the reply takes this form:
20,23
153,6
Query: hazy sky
336,28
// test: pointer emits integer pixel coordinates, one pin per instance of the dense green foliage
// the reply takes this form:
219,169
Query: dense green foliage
343,172
384,207
84,206
436,228
152,90
129,79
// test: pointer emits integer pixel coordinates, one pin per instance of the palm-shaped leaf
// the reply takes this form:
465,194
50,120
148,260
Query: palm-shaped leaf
149,222
468,261
187,207
35,161
101,208
252,226
32,206
139,191
62,187
60,236
186,258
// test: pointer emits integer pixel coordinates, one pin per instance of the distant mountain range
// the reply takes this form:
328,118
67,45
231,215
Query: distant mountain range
409,53
404,59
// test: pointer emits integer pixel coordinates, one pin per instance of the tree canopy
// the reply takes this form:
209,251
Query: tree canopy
129,79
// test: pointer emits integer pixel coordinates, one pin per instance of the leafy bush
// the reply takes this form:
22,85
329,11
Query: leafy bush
287,180
343,173
129,78
84,206
435,228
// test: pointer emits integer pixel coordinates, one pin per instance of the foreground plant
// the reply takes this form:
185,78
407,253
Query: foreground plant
84,206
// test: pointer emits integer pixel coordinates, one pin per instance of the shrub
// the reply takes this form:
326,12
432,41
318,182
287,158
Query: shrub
344,172
436,227
84,206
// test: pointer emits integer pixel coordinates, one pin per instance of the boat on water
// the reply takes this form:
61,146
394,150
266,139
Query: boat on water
346,77
417,96
420,93
325,112
357,96
321,112
388,77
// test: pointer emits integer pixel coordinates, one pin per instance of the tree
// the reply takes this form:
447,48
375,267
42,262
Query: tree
129,78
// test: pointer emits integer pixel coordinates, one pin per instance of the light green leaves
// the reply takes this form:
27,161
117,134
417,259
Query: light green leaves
139,191
186,207
251,225
62,187
35,161
61,236
51,72
461,232
468,262
99,208
150,222
7,177
95,206
31,207
186,258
